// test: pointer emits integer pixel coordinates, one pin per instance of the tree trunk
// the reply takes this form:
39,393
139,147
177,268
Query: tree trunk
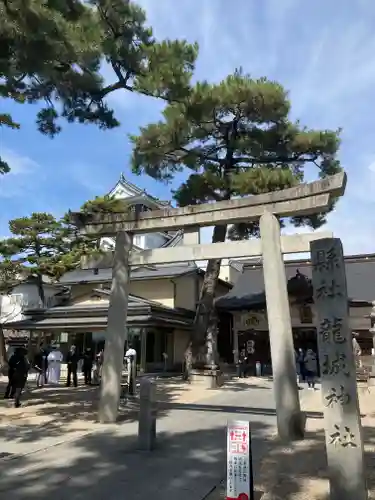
40,289
203,339
201,349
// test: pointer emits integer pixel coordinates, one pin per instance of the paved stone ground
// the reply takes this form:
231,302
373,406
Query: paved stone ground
101,462
55,414
299,472
105,464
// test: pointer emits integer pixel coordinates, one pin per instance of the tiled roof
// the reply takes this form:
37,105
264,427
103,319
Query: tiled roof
138,191
140,273
360,276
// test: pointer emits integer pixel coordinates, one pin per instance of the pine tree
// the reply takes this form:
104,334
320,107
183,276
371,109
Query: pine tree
42,246
74,245
52,52
34,243
10,274
231,139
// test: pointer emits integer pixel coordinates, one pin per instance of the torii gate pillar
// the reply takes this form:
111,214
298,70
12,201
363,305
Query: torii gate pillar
290,421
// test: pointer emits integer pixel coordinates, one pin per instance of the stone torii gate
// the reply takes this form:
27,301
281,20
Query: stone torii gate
304,199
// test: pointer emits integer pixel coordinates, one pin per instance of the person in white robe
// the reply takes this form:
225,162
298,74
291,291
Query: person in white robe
55,358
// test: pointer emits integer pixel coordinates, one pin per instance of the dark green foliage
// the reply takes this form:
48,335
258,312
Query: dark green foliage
33,246
233,139
52,52
236,139
41,246
103,204
77,245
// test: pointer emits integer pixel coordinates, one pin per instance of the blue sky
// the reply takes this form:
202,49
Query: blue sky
322,52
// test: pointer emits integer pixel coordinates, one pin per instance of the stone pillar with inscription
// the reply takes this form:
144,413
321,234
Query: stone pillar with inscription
116,331
290,421
343,429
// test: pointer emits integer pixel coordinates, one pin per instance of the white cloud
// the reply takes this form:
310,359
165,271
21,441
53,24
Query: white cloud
326,64
19,164
321,53
17,181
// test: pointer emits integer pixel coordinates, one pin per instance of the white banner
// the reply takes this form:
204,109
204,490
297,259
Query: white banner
239,466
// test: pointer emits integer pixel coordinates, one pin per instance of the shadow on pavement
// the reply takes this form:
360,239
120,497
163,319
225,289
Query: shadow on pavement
108,466
58,412
231,409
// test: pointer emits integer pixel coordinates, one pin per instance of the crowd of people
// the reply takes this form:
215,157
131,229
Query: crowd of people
47,364
307,363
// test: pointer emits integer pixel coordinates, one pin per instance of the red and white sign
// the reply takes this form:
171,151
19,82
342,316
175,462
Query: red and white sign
239,470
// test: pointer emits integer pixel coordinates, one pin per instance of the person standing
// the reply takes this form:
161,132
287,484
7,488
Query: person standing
41,365
72,361
19,366
242,358
8,390
357,350
311,367
301,364
87,365
100,360
131,357
54,359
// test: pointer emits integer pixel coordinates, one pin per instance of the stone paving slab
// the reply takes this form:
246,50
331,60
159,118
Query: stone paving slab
299,471
53,415
189,460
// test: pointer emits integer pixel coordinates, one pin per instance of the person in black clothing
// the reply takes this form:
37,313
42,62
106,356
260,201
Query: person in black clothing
41,365
87,365
18,367
72,361
242,358
8,391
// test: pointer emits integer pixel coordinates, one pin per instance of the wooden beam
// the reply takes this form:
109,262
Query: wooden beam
295,243
172,220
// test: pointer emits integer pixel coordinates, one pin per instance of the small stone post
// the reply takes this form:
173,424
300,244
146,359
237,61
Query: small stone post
116,331
290,421
147,416
343,429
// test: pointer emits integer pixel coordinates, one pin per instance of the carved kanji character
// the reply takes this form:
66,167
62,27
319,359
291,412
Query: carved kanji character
331,329
326,260
346,439
341,397
328,289
336,365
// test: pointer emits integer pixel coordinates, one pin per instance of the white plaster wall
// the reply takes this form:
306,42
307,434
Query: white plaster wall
144,241
24,295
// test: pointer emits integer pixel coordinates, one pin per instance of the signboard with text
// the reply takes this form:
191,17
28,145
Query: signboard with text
250,320
239,464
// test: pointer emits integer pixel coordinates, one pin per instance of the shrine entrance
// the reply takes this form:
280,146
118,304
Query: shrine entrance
304,199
